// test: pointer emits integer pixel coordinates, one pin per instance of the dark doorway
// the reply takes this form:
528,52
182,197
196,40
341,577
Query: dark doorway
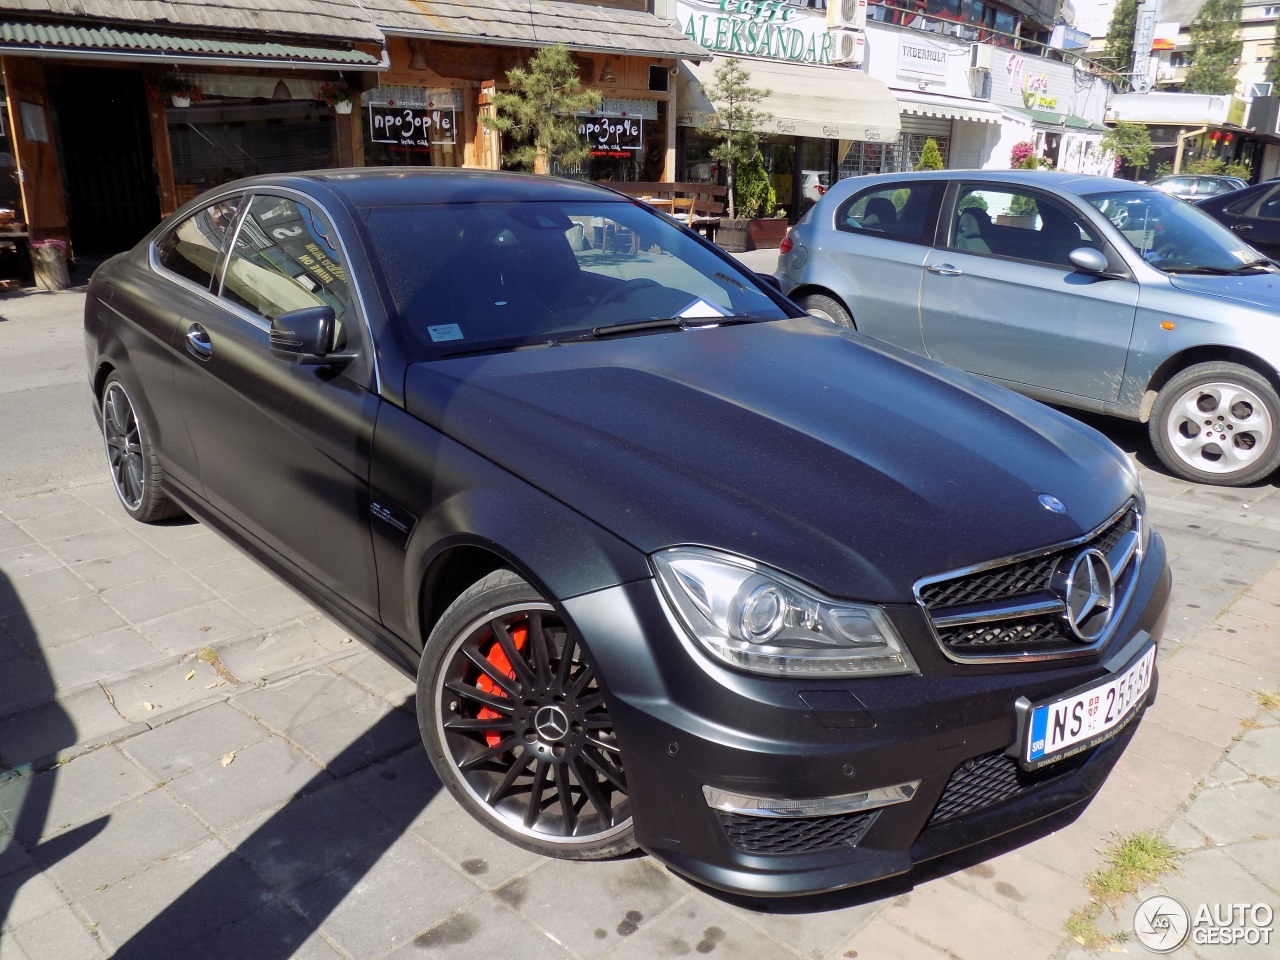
107,163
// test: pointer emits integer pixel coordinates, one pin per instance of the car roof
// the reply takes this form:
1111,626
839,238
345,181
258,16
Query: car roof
401,186
1070,182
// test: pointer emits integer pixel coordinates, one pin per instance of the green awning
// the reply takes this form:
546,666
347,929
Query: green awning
1057,119
144,46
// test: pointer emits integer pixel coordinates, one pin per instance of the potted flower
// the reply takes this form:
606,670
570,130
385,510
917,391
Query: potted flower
337,95
177,89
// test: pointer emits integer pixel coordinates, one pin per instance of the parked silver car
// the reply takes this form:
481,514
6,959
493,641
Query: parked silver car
1087,292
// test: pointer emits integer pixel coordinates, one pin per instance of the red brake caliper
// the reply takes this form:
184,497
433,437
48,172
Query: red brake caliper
498,658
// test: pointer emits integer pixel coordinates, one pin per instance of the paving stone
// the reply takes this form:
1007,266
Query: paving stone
262,775
24,683
484,930
1224,772
270,605
331,636
93,545
373,673
1207,692
1231,672
10,949
231,575
149,599
29,895
1187,755
82,717
953,919
881,940
1212,877
1258,753
404,789
45,505
137,833
311,836
198,551
697,926
1259,858
482,855
14,857
36,590
60,934
20,561
58,525
1208,565
367,909
1022,885
1261,609
195,627
73,620
181,745
1243,640
273,932
1235,812
155,912
105,573
102,496
1159,786
606,895
164,686
1189,719
1184,836
1077,850
84,789
263,654
289,703
99,657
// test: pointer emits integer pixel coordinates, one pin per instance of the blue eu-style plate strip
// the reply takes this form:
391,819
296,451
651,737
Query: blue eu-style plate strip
1039,725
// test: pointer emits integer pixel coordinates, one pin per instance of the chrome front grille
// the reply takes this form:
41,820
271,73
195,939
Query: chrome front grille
1016,608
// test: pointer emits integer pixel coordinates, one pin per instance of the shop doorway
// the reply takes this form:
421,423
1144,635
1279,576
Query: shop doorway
104,142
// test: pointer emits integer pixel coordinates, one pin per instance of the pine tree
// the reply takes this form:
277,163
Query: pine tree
1118,52
736,123
930,156
1215,48
539,114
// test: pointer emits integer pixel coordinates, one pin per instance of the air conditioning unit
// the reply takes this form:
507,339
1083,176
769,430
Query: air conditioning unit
847,14
980,56
848,47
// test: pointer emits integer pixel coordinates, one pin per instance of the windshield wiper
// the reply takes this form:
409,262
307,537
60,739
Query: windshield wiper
1260,264
658,323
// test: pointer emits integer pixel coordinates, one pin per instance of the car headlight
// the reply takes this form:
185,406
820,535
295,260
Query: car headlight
758,619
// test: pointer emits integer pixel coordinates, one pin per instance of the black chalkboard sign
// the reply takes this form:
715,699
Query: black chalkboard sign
412,125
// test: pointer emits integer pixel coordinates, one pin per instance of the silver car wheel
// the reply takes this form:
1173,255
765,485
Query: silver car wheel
1219,427
123,440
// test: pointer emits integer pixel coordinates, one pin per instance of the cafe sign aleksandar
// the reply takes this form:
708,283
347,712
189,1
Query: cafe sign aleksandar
756,28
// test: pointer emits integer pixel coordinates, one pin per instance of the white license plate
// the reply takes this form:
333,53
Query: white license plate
1059,728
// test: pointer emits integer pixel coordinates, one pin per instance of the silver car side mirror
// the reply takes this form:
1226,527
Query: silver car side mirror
1088,259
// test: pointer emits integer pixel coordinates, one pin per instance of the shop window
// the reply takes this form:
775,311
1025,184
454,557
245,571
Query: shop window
413,127
191,249
912,147
219,140
861,157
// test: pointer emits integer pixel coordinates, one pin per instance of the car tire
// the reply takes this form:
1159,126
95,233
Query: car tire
1217,423
827,308
135,468
515,721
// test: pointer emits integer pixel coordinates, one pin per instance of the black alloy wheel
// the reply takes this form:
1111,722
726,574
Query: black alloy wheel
515,720
135,469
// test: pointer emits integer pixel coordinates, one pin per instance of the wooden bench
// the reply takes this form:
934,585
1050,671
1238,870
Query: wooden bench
697,205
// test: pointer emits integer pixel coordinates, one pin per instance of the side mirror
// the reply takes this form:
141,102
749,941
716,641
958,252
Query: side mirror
1088,259
771,280
304,336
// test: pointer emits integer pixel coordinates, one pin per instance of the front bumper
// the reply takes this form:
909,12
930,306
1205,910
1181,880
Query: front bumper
685,722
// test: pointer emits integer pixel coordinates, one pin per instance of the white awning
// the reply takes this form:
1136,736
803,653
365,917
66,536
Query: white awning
948,108
806,100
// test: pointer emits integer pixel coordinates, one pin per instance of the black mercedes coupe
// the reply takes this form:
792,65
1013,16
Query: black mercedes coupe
675,565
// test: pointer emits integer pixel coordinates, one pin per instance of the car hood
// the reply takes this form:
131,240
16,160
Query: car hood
1257,289
835,458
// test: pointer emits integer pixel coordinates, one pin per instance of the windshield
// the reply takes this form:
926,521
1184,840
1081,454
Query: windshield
482,276
1173,235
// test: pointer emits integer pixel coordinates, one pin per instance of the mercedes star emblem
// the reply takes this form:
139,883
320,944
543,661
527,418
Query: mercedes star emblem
551,723
1091,595
1052,503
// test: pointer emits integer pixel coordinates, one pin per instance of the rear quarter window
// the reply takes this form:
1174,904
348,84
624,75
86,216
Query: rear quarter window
901,211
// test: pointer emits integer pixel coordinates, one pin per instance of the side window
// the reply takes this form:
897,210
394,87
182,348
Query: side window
1269,209
894,211
191,248
1008,222
286,258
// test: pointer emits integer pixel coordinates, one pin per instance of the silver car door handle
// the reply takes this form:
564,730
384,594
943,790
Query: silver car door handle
198,344
1242,227
944,270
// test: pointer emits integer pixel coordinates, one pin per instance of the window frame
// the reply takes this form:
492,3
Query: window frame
153,252
929,229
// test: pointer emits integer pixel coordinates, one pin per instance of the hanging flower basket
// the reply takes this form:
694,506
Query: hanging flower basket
178,90
337,95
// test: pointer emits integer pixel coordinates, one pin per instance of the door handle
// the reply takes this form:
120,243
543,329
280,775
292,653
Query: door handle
1242,227
198,344
944,270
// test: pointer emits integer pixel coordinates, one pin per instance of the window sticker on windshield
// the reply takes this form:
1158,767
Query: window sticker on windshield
701,308
445,331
